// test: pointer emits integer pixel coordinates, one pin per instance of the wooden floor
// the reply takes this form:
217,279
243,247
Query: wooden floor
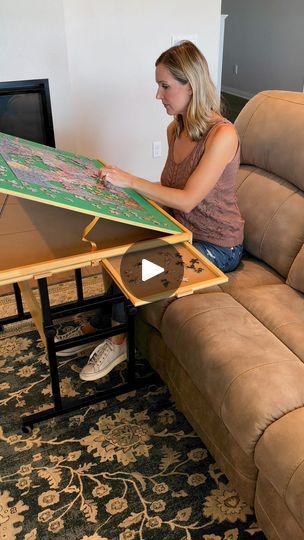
232,105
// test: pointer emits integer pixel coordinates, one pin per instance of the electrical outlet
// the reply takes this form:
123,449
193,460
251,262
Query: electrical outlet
156,149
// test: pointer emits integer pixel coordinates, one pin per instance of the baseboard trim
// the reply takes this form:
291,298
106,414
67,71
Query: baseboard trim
236,92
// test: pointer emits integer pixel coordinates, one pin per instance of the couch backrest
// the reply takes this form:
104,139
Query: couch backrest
271,177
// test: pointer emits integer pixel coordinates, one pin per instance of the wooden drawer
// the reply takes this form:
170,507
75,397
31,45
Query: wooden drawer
185,270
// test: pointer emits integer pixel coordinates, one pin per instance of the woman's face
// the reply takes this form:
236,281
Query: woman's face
175,96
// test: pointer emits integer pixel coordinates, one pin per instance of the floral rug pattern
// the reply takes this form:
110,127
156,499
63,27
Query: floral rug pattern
127,468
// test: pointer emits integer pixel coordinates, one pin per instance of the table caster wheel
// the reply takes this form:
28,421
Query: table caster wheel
27,428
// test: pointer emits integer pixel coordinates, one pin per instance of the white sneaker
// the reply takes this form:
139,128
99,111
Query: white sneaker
69,333
103,359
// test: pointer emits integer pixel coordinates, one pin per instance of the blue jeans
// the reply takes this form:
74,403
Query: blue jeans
116,312
226,259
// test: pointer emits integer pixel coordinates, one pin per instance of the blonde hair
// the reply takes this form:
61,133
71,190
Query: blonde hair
187,64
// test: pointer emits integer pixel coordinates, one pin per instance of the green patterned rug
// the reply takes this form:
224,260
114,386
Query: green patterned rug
128,468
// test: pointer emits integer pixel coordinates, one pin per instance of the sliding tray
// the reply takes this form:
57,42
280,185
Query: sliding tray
180,270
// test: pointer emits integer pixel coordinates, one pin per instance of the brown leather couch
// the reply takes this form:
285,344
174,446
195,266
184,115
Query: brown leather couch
233,355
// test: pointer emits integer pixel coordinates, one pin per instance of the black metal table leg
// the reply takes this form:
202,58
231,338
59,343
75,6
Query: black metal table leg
79,287
63,405
131,312
50,332
21,315
18,299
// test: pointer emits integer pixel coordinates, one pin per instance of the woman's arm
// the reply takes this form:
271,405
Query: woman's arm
220,149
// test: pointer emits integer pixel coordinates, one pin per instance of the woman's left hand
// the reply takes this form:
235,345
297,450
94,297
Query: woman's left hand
117,177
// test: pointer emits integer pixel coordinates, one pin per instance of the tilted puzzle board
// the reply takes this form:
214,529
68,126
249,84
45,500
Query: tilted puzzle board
38,239
56,177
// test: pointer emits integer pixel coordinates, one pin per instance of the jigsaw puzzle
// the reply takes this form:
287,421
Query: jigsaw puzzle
61,178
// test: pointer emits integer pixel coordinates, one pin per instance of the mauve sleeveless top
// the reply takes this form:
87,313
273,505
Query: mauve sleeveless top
217,218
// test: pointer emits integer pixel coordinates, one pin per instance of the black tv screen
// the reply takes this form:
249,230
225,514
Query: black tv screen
25,110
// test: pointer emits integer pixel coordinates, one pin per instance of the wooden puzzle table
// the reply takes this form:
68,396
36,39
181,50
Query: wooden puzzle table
38,241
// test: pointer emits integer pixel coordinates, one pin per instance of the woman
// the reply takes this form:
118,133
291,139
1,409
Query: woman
198,182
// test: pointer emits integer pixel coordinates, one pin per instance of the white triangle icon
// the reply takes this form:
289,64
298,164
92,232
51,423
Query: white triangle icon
150,270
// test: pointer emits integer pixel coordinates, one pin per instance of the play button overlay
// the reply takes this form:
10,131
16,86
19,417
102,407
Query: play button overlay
150,269
153,271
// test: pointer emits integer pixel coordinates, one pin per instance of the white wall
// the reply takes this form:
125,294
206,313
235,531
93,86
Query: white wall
112,48
99,57
33,46
266,40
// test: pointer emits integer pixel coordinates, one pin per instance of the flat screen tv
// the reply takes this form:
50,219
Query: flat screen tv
25,110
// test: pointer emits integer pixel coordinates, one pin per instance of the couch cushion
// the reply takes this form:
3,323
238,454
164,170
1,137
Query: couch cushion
273,210
272,135
153,313
273,515
280,456
250,273
270,195
248,376
280,309
295,276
